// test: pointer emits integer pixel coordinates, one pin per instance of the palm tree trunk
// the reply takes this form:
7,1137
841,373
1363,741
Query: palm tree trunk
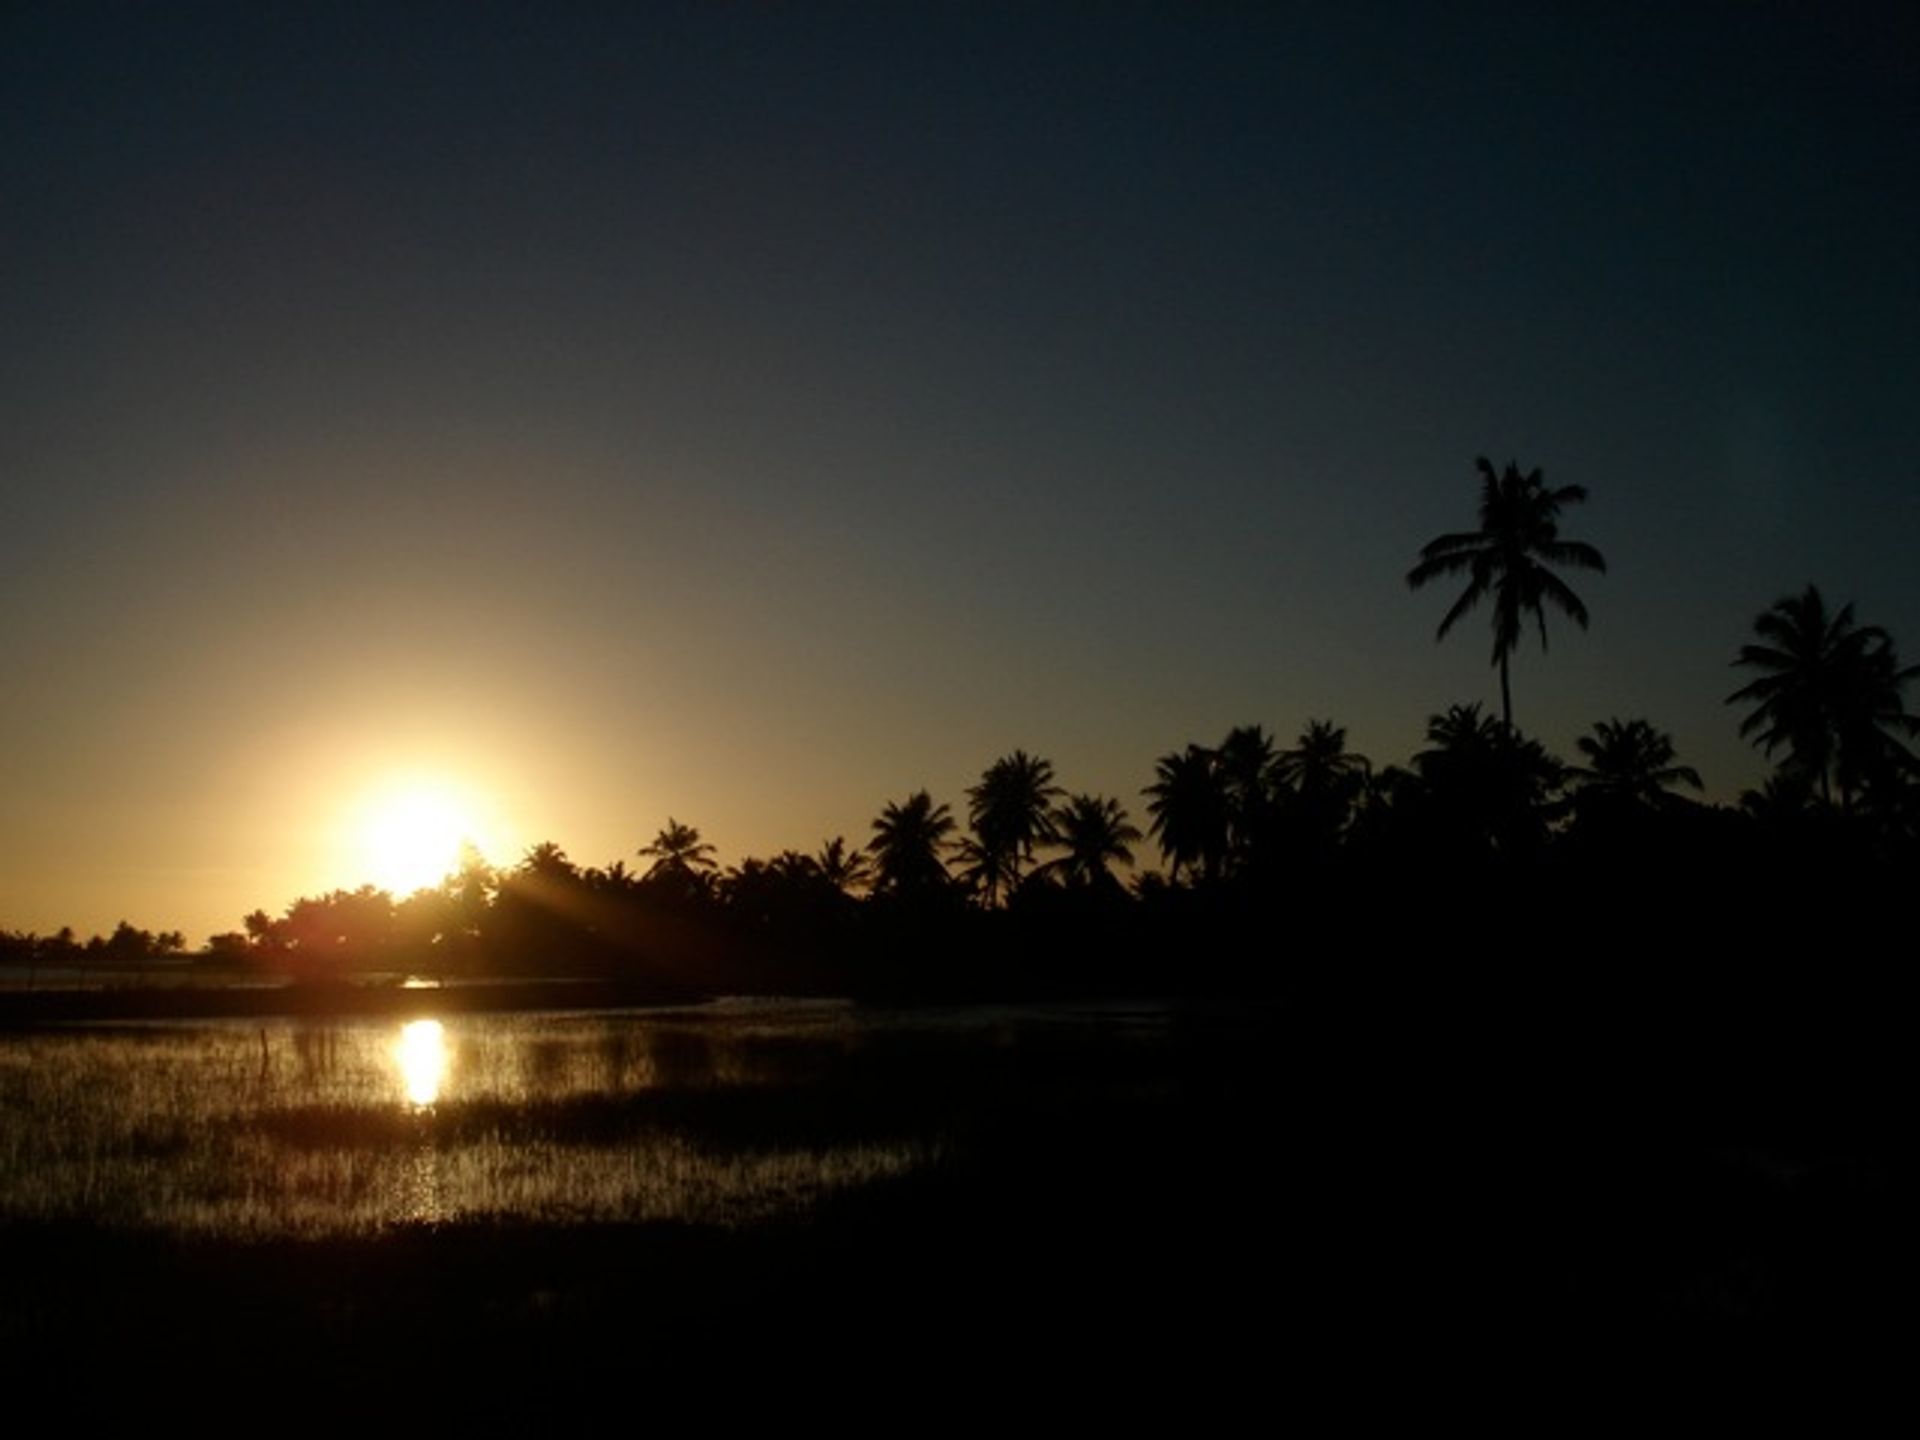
1506,695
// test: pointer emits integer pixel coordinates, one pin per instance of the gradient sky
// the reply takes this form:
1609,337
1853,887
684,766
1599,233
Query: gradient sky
751,413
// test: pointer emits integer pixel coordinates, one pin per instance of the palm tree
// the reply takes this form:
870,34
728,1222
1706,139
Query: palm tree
846,870
1461,734
906,845
1483,785
678,850
1319,759
683,864
1831,695
982,872
1243,769
538,903
1507,558
1009,811
1095,832
549,860
1631,762
1189,810
616,879
1325,778
1784,797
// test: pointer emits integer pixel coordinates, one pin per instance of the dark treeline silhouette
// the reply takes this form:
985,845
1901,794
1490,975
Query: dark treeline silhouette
128,946
1277,859
1280,863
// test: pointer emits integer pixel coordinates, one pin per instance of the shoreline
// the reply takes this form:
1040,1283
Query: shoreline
26,1009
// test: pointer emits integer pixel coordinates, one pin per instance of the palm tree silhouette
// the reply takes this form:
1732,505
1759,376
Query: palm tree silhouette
1507,558
1010,812
846,870
1189,809
906,845
678,847
1095,832
1243,770
547,859
1325,777
1320,761
1461,731
1630,762
1486,787
615,879
682,861
1831,695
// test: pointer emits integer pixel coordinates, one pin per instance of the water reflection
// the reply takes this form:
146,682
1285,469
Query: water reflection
422,1056
691,1117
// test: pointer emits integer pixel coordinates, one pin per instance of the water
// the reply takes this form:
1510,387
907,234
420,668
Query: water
719,1115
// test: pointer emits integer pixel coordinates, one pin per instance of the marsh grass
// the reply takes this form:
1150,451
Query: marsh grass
1146,1192
290,1130
719,1116
722,1192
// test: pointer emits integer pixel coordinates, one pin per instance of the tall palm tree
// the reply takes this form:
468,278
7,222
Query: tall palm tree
1507,559
1630,761
1831,694
906,845
1096,833
1010,811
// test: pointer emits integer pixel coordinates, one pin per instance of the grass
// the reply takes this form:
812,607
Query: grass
301,1131
1170,1200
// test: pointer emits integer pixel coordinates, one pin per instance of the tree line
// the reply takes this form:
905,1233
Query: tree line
1255,837
128,946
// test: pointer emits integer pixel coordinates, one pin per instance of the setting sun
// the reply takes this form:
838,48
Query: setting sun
409,835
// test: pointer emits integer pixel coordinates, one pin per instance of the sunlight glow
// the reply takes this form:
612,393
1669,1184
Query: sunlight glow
422,1055
408,834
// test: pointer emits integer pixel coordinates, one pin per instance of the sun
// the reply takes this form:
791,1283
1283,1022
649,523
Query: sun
409,835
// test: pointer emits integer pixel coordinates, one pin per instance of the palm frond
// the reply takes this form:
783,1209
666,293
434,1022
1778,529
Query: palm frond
1577,553
1556,588
1438,566
1469,598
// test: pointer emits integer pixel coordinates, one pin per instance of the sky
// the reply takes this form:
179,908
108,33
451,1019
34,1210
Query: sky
754,413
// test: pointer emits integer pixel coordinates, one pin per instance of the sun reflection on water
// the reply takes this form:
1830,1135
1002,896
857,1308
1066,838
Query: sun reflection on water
421,1053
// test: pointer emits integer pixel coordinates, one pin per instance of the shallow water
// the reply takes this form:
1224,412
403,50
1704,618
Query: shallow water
722,1114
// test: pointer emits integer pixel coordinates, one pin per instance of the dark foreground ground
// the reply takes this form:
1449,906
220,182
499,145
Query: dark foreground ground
1393,1208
